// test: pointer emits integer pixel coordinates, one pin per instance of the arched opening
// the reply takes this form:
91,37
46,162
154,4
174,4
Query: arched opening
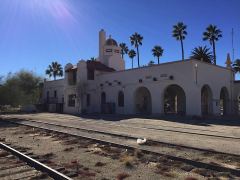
206,100
224,99
120,99
143,101
103,98
174,100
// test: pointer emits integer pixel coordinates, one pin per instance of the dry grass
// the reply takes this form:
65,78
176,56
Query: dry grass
3,153
138,154
2,139
41,176
122,176
203,172
127,160
70,142
163,170
68,149
100,164
191,178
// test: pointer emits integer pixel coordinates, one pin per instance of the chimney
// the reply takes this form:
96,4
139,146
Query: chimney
102,40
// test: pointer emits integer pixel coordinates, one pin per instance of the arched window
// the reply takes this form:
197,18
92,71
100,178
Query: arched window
120,99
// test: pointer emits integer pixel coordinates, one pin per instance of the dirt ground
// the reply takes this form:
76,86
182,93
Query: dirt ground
92,160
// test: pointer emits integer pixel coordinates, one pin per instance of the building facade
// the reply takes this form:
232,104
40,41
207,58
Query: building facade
189,87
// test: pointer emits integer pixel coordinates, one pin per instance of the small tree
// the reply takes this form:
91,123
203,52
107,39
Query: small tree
124,49
236,66
54,70
136,41
93,59
179,32
131,55
20,88
202,54
157,51
212,34
151,62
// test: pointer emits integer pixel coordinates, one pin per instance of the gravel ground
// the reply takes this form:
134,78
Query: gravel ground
96,161
215,136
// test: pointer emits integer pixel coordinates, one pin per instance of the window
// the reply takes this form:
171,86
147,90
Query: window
120,99
72,77
55,94
47,96
108,50
88,99
90,74
116,51
71,100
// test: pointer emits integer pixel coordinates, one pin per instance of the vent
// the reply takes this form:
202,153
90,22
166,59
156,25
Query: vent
171,77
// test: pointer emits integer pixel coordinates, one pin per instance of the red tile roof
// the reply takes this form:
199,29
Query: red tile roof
96,65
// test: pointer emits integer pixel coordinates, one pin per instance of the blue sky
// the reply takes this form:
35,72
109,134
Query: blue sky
33,33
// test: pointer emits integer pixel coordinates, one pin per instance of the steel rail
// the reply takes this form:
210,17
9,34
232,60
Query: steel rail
33,163
146,150
123,135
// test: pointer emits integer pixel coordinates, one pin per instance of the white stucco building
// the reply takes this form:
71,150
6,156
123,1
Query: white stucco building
189,87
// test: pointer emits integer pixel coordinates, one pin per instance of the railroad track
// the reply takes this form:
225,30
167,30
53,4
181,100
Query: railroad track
130,143
28,123
17,165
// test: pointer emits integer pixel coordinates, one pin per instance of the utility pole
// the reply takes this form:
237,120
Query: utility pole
232,45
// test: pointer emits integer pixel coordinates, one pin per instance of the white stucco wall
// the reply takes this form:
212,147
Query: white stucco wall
51,86
185,74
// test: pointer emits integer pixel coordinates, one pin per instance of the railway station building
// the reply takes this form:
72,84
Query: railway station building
189,87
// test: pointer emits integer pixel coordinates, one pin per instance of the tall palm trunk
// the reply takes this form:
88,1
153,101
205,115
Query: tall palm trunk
214,52
158,60
122,55
182,49
138,57
132,63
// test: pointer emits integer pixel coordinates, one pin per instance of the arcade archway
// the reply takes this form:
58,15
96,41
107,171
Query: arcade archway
224,99
206,100
143,101
174,100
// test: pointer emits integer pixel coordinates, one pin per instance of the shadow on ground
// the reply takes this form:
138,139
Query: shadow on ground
193,120
5,124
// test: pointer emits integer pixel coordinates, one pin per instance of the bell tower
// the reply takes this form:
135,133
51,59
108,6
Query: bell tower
102,40
228,62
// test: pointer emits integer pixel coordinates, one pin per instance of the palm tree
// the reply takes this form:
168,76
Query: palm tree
136,40
212,34
202,54
179,32
151,62
157,52
54,70
131,55
124,49
93,59
236,66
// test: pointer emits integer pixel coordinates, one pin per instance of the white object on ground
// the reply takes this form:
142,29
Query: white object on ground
141,141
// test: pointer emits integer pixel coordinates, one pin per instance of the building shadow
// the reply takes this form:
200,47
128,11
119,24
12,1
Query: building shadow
7,124
191,120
